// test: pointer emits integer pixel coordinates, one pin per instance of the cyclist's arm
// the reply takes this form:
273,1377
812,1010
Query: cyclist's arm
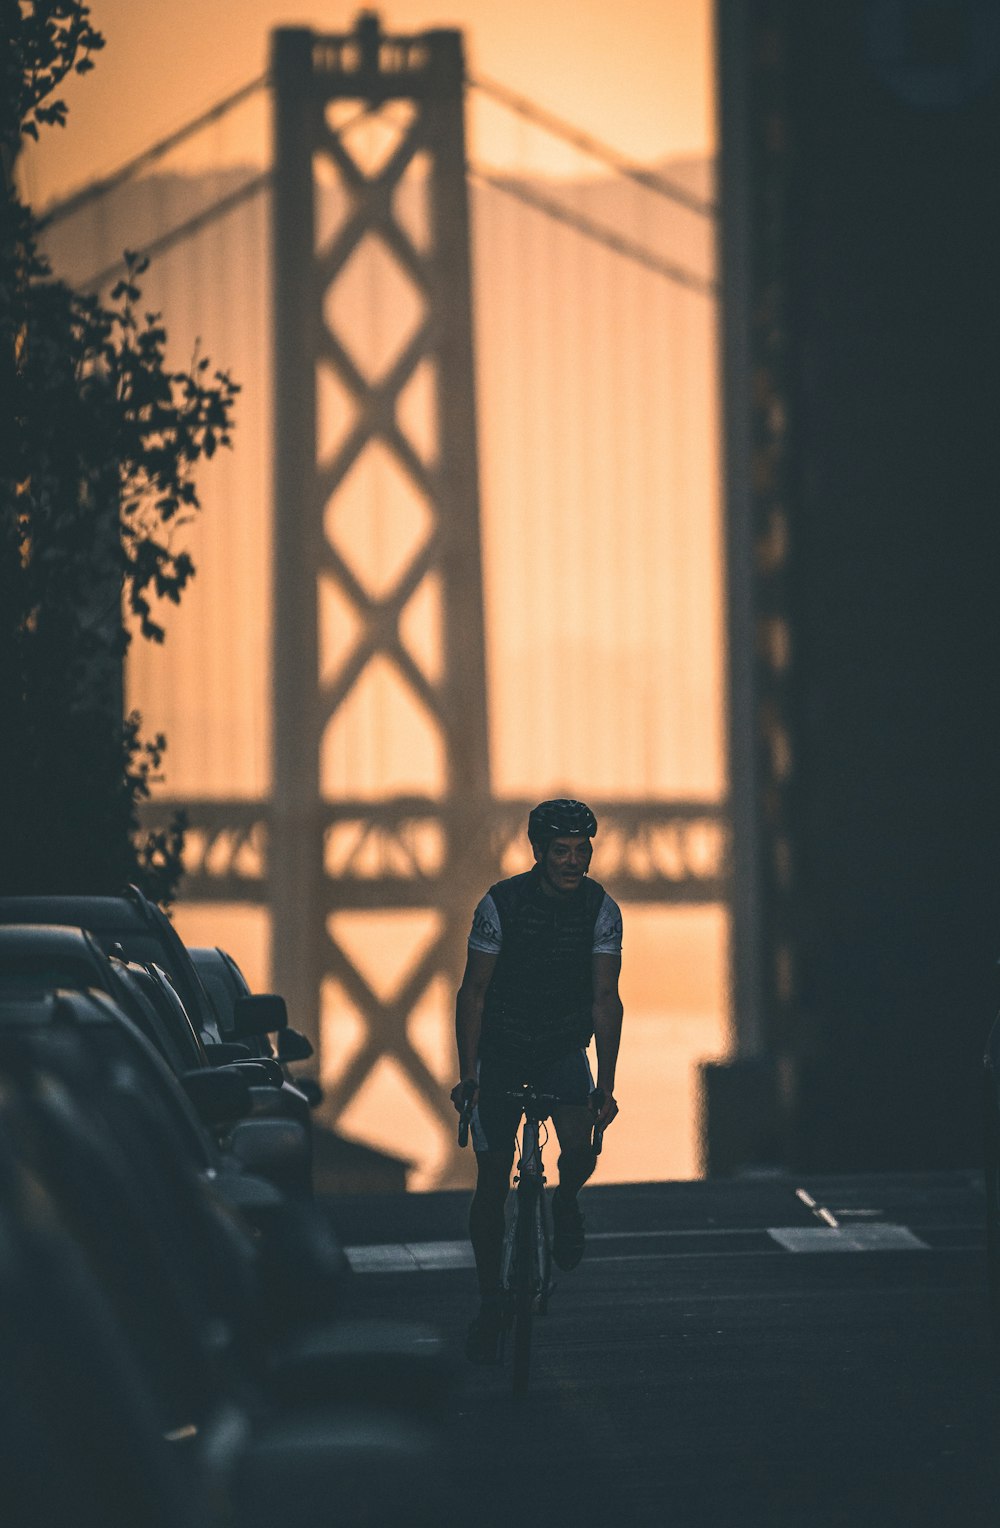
607,1016
479,969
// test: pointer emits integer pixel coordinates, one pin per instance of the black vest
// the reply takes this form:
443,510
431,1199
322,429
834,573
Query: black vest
540,999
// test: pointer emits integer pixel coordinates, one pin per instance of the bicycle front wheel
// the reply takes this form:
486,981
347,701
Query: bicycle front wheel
524,1286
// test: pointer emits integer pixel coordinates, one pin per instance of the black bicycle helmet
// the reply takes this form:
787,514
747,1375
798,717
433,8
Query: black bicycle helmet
560,819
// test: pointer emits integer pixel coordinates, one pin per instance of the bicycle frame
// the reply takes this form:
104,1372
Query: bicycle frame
526,1265
526,1260
528,1237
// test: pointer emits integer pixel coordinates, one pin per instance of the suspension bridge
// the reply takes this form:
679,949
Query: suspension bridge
467,551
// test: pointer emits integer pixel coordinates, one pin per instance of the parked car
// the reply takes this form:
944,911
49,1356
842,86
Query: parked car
136,929
38,958
228,990
150,1376
35,959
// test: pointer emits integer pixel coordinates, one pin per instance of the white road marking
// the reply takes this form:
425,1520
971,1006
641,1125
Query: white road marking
411,1257
820,1211
868,1238
427,1257
689,1231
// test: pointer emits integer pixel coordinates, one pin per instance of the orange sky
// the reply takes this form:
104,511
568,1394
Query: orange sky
636,73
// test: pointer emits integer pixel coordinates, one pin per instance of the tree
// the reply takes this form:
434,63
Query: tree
96,483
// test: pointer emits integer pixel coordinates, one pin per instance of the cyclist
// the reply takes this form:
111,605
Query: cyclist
541,978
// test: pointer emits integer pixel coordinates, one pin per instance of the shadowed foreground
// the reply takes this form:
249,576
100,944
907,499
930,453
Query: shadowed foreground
699,1370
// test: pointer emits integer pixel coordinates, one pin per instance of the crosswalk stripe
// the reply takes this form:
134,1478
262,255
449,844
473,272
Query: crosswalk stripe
877,1237
429,1257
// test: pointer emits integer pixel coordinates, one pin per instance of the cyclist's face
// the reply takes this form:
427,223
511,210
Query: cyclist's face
564,863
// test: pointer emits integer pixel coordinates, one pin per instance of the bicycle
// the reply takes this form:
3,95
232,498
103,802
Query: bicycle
526,1263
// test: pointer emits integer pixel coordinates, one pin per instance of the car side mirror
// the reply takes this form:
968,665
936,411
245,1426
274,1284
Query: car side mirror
259,1013
261,1072
293,1046
222,1055
219,1097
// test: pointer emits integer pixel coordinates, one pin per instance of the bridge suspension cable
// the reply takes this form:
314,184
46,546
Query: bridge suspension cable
512,186
200,220
98,188
185,230
522,192
653,180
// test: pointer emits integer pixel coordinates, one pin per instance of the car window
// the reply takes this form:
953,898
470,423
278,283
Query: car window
222,1001
139,945
138,1002
145,947
169,1001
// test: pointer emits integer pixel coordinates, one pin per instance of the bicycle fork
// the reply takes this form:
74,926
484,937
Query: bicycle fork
526,1244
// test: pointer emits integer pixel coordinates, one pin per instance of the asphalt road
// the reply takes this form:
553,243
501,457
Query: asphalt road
724,1357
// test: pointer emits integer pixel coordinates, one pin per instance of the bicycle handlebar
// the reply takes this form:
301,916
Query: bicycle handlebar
542,1105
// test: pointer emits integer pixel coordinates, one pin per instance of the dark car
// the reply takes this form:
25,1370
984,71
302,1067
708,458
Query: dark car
276,1142
132,926
234,1006
151,1348
39,958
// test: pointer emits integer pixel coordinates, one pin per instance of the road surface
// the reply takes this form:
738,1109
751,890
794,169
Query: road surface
781,1352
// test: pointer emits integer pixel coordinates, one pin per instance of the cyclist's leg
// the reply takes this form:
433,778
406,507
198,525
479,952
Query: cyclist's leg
570,1077
486,1215
494,1124
574,1124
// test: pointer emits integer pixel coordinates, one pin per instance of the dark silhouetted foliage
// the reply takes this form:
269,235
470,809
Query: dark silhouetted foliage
96,478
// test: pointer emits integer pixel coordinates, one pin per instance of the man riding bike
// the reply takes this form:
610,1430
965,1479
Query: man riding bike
540,980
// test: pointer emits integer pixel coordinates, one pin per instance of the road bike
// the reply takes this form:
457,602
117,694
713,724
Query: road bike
526,1281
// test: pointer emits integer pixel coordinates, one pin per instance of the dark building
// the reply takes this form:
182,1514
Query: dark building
861,272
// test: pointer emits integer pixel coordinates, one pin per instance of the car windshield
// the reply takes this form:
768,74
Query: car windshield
139,945
144,947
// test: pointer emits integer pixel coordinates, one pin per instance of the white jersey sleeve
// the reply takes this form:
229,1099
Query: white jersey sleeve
608,928
486,934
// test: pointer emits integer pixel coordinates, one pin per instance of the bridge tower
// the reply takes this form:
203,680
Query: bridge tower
328,852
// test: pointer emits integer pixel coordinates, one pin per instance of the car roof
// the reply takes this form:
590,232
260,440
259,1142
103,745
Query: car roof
119,920
88,1006
212,961
222,979
47,938
101,914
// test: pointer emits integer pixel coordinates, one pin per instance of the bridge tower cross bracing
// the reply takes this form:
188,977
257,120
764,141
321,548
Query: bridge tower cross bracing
431,848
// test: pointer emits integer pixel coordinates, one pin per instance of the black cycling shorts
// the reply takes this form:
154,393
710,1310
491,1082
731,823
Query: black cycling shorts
495,1120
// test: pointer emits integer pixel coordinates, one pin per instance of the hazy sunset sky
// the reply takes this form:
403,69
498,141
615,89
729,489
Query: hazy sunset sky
597,398
636,73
